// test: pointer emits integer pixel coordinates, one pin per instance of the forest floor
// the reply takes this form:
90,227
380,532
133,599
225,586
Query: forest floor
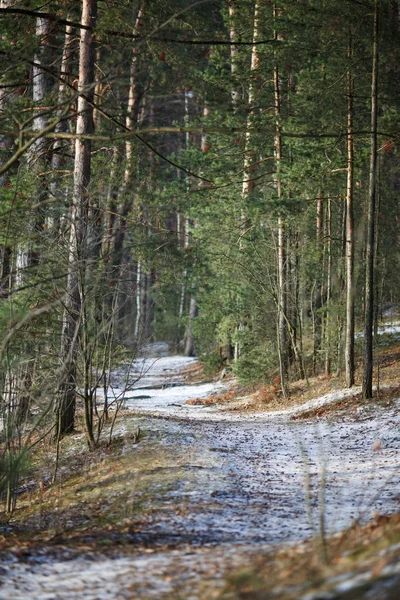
221,496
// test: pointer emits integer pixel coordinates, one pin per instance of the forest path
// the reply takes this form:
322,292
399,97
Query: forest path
237,487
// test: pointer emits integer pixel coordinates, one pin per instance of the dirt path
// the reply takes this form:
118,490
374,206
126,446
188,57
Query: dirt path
244,487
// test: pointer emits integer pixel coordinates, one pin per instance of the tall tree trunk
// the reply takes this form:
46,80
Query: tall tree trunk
378,280
193,308
139,316
57,159
234,52
369,255
185,219
282,328
328,335
318,293
133,101
37,160
189,345
78,228
126,195
28,254
247,184
40,85
350,291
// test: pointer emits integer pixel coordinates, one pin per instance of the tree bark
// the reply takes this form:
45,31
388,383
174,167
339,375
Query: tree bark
282,328
193,307
133,101
189,345
248,154
369,255
234,51
318,293
247,184
328,335
350,291
70,336
57,159
127,197
37,159
185,219
37,156
377,276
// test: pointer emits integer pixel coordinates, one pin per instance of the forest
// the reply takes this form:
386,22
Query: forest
199,299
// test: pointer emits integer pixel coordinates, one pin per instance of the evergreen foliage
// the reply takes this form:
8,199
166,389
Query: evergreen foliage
194,213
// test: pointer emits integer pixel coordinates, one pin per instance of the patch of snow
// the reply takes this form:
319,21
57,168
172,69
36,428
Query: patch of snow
147,372
144,577
251,479
392,329
391,310
169,398
155,349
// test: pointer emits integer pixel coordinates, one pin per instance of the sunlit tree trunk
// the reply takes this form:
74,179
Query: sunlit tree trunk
56,188
248,154
127,195
378,282
193,308
184,219
234,52
37,158
282,327
350,292
328,335
70,337
248,184
318,291
369,255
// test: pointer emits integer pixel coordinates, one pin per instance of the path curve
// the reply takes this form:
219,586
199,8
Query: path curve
244,489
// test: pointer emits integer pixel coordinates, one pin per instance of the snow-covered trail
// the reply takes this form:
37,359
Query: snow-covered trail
243,489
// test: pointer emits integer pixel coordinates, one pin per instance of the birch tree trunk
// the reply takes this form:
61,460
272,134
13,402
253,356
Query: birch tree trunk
27,254
369,257
234,51
70,336
40,85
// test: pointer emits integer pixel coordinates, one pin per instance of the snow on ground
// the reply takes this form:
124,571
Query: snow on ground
152,385
387,329
251,486
251,480
150,371
175,573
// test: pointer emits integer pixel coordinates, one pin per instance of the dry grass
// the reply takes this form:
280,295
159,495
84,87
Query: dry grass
290,573
98,495
228,396
194,372
269,397
383,397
